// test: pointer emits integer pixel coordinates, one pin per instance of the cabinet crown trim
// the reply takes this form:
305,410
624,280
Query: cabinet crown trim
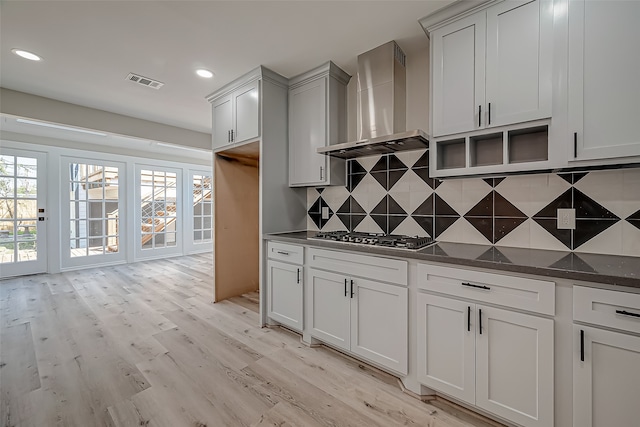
258,73
453,12
327,69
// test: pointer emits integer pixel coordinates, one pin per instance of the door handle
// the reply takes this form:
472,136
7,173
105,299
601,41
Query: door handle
489,122
232,137
351,288
476,286
298,275
345,287
627,313
468,318
575,145
581,345
321,170
480,320
228,136
479,115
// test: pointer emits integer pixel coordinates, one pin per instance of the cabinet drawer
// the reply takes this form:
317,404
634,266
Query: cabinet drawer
526,294
613,309
285,252
382,269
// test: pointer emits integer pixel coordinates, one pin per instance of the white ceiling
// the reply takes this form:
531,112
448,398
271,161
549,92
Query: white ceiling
89,47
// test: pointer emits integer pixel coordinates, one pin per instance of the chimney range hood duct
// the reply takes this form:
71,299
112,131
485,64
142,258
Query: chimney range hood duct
381,103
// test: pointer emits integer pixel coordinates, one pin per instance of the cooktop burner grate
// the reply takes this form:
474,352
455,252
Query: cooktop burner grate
375,239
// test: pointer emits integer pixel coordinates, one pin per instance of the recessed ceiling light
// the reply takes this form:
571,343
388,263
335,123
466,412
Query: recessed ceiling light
26,55
204,73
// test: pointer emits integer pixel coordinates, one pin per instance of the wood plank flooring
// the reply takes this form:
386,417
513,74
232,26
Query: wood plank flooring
142,345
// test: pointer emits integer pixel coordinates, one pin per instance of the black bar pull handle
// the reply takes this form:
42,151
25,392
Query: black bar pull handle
471,285
345,287
479,115
232,138
627,313
351,288
468,318
489,114
283,253
581,345
480,320
298,275
228,136
575,145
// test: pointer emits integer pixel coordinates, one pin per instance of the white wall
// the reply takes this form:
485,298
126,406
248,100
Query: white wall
46,109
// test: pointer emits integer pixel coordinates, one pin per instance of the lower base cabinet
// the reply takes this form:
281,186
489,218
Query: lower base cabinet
284,300
365,317
498,360
606,378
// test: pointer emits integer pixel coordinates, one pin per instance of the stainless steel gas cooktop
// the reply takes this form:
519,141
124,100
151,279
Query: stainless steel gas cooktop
373,239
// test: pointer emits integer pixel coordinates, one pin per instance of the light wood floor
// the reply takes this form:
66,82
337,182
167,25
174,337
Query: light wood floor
142,344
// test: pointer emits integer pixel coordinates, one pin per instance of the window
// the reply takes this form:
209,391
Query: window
158,207
202,213
94,209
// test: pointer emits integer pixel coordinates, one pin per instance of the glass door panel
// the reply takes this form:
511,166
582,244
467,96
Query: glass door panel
22,213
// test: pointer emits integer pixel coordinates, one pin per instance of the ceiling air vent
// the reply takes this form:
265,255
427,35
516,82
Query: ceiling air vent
144,81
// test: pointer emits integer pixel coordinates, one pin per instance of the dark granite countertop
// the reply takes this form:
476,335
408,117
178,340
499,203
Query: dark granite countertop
605,269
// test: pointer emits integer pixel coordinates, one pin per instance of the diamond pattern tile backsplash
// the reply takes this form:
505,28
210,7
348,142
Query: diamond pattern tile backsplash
394,194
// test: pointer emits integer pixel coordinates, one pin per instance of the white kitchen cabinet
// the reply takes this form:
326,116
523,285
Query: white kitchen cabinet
496,359
514,366
491,68
366,317
446,346
317,118
328,307
606,378
236,115
379,316
457,76
284,301
604,88
285,282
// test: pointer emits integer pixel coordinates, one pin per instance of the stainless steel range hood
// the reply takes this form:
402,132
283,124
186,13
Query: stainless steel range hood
381,105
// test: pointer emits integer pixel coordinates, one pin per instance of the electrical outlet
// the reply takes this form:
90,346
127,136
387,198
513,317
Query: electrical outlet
566,219
325,212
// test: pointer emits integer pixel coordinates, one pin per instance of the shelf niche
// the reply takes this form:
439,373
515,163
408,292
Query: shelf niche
486,150
529,145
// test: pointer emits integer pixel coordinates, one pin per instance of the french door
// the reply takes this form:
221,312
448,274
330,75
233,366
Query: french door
23,212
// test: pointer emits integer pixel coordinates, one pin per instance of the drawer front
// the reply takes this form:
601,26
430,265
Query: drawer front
613,309
285,252
537,296
370,267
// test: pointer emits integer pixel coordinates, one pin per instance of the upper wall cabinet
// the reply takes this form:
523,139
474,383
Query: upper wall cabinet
238,107
604,83
492,67
236,116
317,118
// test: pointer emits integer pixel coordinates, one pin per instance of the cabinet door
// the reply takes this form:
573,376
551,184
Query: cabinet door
446,346
247,112
222,121
606,385
328,307
514,366
307,133
379,323
604,88
458,69
519,55
284,283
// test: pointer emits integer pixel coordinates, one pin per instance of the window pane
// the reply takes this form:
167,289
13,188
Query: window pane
6,252
27,209
197,236
27,251
206,235
26,187
27,230
6,231
95,228
111,192
197,223
7,165
7,186
7,208
27,166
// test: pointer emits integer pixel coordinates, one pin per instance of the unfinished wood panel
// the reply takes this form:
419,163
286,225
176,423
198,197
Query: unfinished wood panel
237,228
